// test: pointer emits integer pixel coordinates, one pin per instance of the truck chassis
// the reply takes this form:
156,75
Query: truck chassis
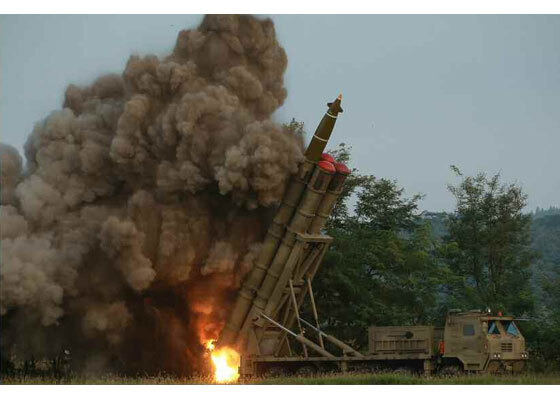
271,366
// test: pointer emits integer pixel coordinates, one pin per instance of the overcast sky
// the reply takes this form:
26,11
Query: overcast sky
419,92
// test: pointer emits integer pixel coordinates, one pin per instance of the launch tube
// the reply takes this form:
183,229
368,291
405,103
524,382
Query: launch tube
269,246
329,200
300,222
323,212
276,231
321,215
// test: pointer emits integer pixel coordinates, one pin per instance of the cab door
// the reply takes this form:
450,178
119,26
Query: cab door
471,344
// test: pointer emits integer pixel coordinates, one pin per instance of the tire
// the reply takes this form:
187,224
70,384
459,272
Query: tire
451,370
519,367
363,368
306,370
275,372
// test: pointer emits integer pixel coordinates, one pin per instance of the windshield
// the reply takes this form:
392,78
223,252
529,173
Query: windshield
493,328
510,328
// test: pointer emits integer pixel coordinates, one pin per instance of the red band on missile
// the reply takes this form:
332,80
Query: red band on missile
327,167
327,157
342,169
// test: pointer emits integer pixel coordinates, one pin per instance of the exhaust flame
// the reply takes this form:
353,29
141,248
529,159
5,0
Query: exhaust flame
225,363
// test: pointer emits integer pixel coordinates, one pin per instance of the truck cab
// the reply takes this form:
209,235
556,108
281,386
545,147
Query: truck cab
478,341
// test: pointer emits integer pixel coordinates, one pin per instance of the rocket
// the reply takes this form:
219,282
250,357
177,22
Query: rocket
323,131
306,204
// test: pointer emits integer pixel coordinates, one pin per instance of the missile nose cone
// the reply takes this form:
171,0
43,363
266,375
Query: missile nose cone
342,169
328,157
326,167
334,107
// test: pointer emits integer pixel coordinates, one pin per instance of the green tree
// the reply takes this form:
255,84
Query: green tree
542,331
488,244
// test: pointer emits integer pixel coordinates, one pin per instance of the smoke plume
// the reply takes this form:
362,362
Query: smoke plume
143,201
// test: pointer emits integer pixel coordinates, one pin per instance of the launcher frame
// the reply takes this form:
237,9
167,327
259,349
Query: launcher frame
300,269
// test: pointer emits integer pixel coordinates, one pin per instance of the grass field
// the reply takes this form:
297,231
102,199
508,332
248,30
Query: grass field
331,379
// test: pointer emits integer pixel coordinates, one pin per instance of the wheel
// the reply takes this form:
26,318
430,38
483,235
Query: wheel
519,367
363,368
274,372
306,370
494,367
450,370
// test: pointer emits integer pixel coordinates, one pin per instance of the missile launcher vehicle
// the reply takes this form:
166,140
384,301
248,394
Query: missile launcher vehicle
471,341
265,325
